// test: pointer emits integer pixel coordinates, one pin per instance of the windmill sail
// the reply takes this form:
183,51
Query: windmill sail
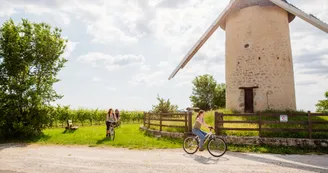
203,39
306,17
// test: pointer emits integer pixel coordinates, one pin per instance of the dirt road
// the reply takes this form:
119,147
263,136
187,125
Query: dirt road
47,159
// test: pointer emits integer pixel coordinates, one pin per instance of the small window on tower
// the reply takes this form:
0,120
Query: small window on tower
246,45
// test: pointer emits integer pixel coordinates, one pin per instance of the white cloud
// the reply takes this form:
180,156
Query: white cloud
104,32
112,62
113,21
145,68
6,9
111,88
107,21
162,64
96,79
70,47
149,79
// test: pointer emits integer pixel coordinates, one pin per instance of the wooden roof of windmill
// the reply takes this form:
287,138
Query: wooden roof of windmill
236,5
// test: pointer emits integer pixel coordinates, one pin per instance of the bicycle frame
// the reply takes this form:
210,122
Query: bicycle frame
207,137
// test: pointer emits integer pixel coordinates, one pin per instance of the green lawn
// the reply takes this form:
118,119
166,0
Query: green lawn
127,136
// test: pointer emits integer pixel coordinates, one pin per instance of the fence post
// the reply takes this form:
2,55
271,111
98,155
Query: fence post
218,122
144,119
260,124
186,122
310,125
221,123
160,122
149,120
216,127
190,121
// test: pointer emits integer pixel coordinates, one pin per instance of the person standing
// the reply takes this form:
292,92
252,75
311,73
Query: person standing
110,118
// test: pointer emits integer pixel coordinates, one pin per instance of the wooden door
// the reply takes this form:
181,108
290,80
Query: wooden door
249,100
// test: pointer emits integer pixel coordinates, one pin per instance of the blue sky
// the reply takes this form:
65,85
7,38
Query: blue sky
121,53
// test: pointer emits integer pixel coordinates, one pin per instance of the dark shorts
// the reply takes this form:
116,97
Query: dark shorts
108,124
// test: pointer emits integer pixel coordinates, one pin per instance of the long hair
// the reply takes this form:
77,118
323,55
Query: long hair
117,112
200,112
110,111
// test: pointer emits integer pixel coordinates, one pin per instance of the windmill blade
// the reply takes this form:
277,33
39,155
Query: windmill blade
203,39
306,17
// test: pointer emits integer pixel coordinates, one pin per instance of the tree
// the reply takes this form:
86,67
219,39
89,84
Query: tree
207,94
30,59
164,106
322,105
219,100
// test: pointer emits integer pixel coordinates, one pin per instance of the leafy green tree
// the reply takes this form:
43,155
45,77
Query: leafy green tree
219,100
322,105
64,113
207,94
30,60
164,106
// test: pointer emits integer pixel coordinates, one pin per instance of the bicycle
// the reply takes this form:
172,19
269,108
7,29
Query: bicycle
112,126
214,142
118,124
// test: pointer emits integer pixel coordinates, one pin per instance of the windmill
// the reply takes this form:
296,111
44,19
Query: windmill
259,63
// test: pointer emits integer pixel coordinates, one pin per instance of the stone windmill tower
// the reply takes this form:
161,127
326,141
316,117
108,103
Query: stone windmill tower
259,63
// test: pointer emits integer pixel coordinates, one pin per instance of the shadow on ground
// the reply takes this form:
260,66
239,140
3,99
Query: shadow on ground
289,161
206,160
23,142
68,131
101,141
13,145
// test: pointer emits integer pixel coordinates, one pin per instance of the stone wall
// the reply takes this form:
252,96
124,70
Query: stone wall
157,133
296,142
258,54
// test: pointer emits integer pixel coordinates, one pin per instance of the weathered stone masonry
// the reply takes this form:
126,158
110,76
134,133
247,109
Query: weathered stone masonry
258,54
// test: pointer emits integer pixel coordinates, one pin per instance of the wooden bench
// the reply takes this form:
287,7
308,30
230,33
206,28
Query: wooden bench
70,125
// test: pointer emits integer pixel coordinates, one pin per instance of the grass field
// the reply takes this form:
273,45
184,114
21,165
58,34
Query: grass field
129,136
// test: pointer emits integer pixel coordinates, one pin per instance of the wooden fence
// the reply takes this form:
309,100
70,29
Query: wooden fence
305,120
181,121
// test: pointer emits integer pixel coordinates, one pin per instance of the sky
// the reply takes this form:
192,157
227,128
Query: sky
121,53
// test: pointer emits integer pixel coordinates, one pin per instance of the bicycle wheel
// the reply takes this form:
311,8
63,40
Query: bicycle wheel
217,147
112,134
190,145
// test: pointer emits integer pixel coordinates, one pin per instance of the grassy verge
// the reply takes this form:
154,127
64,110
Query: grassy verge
129,136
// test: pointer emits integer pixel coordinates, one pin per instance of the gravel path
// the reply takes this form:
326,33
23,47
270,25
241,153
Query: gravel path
16,158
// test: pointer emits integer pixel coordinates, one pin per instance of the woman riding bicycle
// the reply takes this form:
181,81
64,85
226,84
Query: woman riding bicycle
110,118
197,128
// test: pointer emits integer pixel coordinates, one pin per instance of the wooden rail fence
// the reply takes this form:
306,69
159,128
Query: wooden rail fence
170,120
264,119
260,122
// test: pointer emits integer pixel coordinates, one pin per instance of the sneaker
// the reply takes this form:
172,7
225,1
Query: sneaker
201,149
